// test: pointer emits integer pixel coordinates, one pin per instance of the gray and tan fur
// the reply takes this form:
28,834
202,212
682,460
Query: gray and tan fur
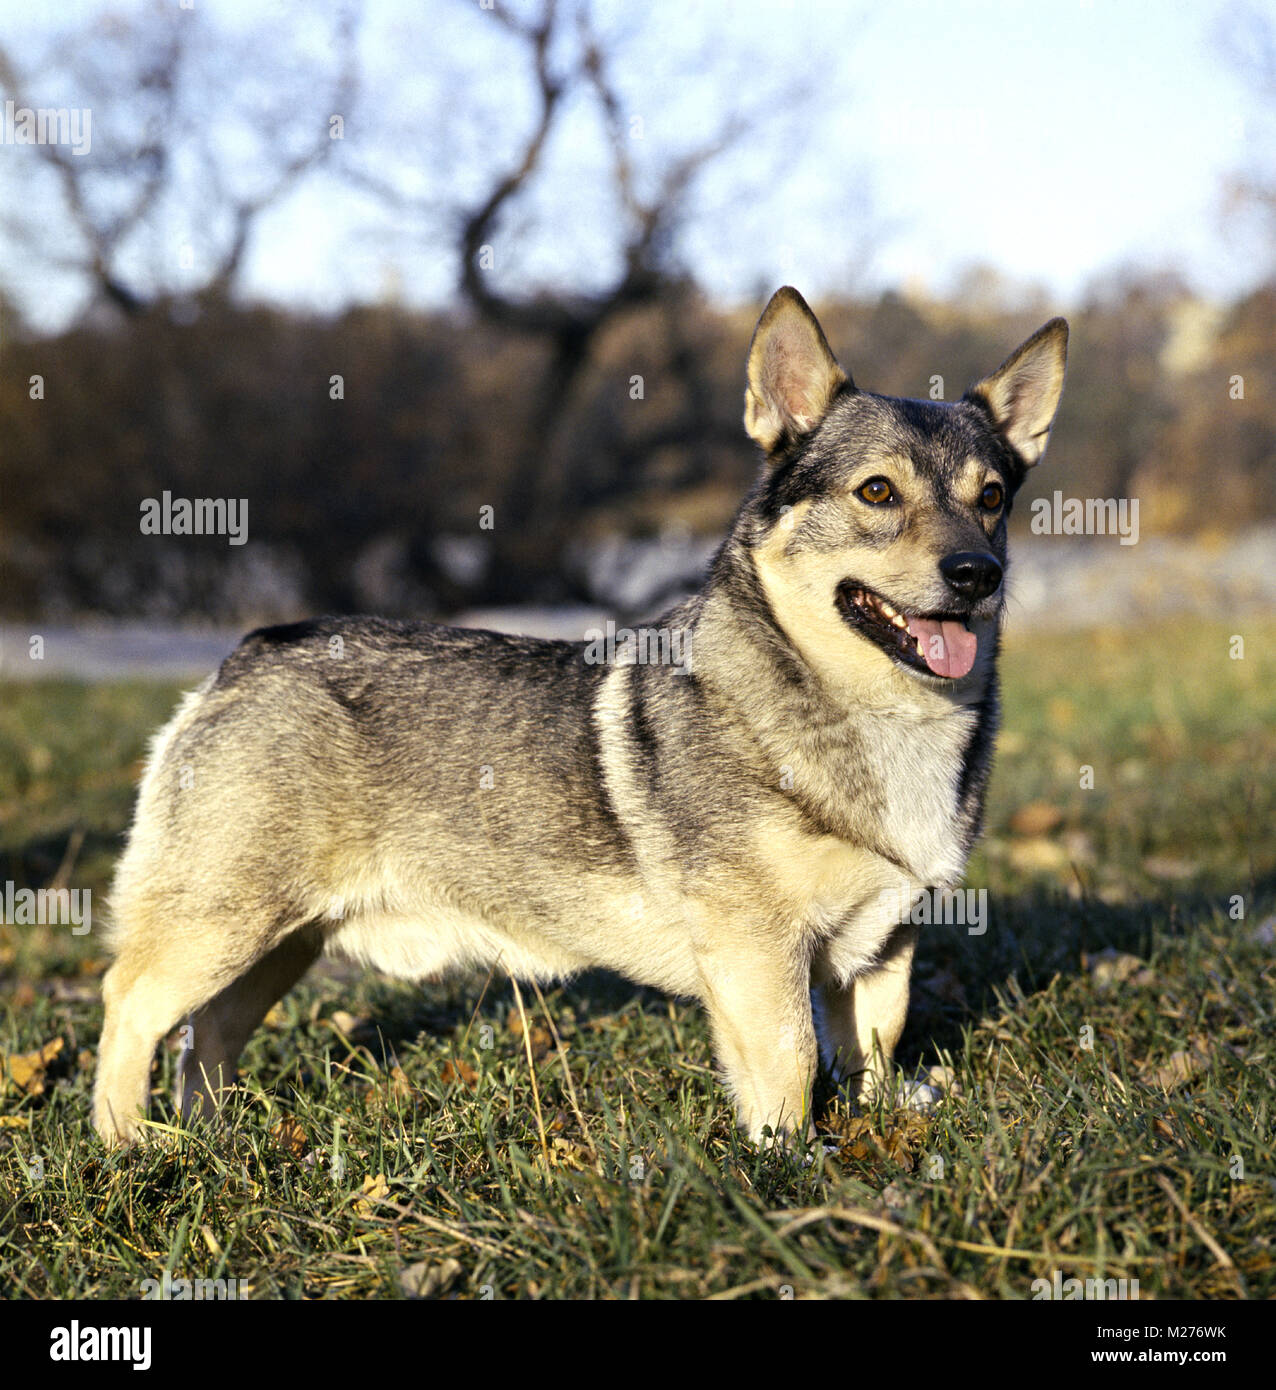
421,798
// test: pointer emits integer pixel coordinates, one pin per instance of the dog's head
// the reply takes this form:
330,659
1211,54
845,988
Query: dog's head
882,521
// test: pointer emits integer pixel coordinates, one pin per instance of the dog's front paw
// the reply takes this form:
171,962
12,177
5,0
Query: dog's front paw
919,1095
117,1131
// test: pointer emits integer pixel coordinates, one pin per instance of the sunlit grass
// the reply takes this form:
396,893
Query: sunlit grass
1111,1037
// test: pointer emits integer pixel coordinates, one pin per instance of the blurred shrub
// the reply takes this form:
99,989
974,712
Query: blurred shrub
371,500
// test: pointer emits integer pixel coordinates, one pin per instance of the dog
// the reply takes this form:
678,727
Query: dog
734,828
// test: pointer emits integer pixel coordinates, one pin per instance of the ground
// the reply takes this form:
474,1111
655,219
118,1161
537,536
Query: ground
1108,1044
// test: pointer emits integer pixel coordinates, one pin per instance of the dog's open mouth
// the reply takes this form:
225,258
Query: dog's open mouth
940,644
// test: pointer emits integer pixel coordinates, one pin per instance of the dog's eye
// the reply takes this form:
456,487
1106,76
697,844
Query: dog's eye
877,491
991,497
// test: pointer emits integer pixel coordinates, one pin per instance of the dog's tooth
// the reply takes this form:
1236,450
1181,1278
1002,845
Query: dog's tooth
886,608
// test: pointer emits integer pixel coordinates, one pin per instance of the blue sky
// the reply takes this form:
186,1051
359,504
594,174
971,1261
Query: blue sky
1090,135
1053,141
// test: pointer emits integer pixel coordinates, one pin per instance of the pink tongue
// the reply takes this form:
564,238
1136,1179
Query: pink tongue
948,648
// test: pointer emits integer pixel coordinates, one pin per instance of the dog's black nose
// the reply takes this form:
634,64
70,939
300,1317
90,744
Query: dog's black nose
971,573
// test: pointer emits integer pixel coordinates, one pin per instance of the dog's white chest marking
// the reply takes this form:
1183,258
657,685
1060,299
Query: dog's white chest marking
920,816
852,895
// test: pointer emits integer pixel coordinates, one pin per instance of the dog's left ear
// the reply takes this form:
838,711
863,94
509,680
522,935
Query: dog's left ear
1022,395
792,375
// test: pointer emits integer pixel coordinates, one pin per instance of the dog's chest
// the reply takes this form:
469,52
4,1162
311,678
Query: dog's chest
922,775
901,828
896,788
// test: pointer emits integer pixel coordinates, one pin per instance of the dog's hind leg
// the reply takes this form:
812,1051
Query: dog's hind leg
134,1024
168,964
157,977
222,1026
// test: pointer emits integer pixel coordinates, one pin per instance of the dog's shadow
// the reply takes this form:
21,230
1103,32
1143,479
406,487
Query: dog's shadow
1031,938
1035,936
393,1015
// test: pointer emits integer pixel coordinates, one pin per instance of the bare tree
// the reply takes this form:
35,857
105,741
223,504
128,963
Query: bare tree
164,173
571,70
166,89
568,325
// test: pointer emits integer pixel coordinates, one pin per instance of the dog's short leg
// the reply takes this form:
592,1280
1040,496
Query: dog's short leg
760,1012
130,1032
161,973
220,1029
862,1021
145,992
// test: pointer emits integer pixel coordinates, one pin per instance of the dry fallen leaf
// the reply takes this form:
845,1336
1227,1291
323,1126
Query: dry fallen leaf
428,1280
26,1069
1038,855
542,1039
346,1023
372,1191
903,1137
459,1071
566,1153
1112,967
290,1135
393,1091
1036,818
1182,1066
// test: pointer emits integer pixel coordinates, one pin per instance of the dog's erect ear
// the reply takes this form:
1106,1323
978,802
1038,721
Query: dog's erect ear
792,374
1022,395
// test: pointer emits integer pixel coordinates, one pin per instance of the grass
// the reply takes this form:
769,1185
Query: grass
1110,1038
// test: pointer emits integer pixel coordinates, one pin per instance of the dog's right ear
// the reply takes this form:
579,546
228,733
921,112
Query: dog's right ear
792,375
